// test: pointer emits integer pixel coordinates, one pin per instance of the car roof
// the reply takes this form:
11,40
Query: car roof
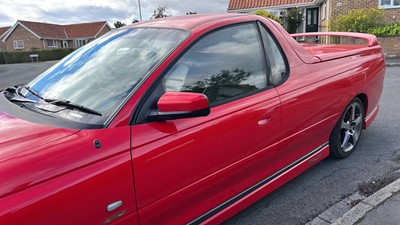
190,21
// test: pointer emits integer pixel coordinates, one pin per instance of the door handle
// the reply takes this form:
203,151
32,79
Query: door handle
267,117
264,121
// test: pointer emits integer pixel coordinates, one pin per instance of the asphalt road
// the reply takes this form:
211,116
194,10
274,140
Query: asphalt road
299,201
377,156
12,74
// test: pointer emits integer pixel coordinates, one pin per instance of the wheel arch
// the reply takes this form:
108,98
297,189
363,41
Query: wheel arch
364,99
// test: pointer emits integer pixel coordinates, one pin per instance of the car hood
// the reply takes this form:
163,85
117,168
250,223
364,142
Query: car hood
20,141
18,136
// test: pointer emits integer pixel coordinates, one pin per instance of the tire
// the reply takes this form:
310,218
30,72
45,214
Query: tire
347,131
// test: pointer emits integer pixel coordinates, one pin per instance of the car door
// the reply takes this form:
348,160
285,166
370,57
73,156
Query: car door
186,170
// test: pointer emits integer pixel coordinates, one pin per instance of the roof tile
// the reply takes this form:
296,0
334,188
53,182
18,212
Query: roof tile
3,30
250,4
45,30
55,31
84,29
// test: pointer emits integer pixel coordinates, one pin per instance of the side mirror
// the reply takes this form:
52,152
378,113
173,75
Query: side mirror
178,105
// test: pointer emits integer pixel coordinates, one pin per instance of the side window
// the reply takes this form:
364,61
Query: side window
276,62
224,65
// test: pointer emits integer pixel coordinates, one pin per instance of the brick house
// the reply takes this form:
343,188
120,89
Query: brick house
27,35
314,15
3,32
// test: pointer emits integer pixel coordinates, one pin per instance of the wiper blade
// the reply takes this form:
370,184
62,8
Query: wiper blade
73,106
33,91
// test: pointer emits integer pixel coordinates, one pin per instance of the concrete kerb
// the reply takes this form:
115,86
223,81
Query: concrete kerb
391,62
336,214
359,211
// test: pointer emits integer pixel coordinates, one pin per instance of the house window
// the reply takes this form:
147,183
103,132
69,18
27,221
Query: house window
389,3
80,43
18,44
64,44
52,43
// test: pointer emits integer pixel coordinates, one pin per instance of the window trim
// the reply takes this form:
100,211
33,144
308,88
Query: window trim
54,42
324,10
391,6
138,114
15,44
80,42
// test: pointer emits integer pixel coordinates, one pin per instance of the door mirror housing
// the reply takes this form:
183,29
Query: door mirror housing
178,105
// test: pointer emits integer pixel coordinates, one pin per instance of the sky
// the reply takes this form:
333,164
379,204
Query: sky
77,11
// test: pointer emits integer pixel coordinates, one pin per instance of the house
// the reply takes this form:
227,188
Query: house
28,35
313,15
3,31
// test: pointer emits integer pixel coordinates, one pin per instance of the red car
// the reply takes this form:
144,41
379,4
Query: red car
183,120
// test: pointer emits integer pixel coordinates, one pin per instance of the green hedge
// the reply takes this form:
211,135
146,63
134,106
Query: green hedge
386,30
2,60
44,55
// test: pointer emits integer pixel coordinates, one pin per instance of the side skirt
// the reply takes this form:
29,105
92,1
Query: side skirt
264,187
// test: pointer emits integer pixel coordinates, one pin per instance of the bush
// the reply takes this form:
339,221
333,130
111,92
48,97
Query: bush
294,19
2,60
386,30
44,55
358,20
266,14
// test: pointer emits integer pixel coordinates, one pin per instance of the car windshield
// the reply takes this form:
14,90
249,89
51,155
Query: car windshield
101,74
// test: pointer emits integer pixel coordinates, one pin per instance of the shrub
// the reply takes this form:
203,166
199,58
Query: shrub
2,60
294,19
266,14
358,20
386,30
44,55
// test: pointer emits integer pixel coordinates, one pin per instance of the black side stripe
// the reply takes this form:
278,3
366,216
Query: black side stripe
243,194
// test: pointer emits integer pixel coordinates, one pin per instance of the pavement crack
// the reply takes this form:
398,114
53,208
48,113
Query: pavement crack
334,172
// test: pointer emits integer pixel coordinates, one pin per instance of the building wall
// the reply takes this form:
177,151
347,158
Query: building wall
20,33
103,31
71,44
323,23
392,15
2,46
339,7
390,45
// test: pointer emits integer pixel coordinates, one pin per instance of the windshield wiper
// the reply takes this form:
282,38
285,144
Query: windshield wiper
33,91
72,105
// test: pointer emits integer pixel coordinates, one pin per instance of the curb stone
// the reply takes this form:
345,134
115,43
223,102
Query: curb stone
335,216
359,211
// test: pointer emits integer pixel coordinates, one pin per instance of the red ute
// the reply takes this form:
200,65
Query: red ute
181,120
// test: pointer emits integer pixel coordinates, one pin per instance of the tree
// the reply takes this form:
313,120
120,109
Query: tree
119,24
224,78
266,14
135,21
160,12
